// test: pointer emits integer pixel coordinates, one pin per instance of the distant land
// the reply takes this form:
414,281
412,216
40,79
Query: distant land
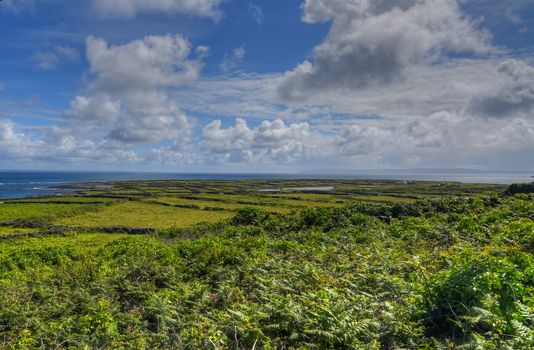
435,171
16,184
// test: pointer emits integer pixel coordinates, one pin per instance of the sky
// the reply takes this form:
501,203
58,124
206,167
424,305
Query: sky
266,85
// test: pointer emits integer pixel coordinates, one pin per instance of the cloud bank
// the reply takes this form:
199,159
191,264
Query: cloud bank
372,42
131,8
403,83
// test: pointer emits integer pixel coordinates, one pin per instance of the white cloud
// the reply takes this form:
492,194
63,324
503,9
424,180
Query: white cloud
130,8
57,143
439,139
372,43
234,138
173,156
381,90
48,60
361,140
269,142
426,89
100,108
511,94
127,102
148,117
153,61
202,51
415,121
18,6
13,144
256,13
231,62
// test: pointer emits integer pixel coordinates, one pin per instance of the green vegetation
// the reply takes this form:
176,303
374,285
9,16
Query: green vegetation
520,188
13,211
141,214
353,268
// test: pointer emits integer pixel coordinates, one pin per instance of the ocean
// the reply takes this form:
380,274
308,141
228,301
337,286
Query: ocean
20,184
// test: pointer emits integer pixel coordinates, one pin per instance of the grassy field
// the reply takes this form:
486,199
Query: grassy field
141,214
164,204
85,243
33,210
219,265
13,230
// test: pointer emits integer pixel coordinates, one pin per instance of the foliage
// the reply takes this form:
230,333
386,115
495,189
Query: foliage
520,188
438,273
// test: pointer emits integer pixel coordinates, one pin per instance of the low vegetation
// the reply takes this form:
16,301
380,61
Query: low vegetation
520,188
434,270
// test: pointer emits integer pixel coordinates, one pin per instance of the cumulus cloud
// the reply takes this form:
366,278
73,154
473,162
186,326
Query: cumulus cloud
411,122
441,130
358,139
48,60
153,61
441,138
270,141
57,143
100,108
372,42
127,98
14,144
150,116
381,90
510,95
131,8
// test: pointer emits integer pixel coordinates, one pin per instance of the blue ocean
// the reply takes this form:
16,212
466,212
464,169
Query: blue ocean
19,184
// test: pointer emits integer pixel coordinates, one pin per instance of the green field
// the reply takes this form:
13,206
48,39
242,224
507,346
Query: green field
367,265
141,214
31,210
165,204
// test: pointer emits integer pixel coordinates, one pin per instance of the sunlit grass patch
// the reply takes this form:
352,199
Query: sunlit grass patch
82,242
62,200
390,199
230,205
140,214
18,211
12,230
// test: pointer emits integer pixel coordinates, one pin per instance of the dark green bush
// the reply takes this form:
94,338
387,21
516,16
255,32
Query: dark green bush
480,294
519,188
249,216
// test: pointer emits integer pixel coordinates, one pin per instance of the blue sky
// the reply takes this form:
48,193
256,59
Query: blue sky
266,85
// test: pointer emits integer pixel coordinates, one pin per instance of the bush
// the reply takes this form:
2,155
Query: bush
519,188
249,216
480,294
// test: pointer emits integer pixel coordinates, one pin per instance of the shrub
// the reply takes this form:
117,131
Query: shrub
519,188
249,216
480,294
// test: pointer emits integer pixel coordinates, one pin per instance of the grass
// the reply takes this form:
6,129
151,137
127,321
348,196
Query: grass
84,242
142,215
13,230
25,210
62,200
95,207
231,202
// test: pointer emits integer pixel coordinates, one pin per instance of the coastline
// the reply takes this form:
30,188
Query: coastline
21,185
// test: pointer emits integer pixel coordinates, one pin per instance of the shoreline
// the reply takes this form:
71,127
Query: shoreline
72,188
